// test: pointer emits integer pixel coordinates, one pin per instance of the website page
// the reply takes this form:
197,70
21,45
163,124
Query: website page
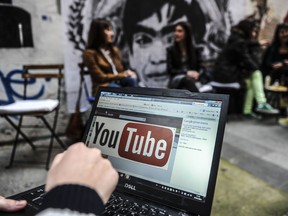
160,139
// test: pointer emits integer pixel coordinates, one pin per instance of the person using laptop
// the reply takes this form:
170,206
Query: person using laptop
80,181
103,59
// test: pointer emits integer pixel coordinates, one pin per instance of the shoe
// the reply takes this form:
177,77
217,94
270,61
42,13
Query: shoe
266,109
251,116
283,122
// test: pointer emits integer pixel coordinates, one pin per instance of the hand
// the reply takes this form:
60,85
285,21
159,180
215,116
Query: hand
264,42
131,73
83,166
10,205
286,61
277,65
193,74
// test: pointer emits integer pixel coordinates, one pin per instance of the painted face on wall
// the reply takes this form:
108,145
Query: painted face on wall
151,38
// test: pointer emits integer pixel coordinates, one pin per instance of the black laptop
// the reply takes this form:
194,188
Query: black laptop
165,144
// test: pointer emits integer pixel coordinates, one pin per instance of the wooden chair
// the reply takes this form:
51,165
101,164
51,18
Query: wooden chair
37,108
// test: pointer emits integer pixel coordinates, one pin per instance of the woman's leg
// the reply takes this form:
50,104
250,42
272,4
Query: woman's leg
189,84
249,96
128,82
258,88
113,84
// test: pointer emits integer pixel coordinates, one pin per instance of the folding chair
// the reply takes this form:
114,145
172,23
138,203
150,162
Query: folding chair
84,73
39,108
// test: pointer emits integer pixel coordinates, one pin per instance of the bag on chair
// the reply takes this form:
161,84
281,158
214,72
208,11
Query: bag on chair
75,126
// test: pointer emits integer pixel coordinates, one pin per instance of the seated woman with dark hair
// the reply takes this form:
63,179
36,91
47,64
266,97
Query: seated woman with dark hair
275,60
103,59
182,59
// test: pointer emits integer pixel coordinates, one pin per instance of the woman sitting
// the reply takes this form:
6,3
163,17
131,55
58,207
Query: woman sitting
275,60
103,59
182,60
239,62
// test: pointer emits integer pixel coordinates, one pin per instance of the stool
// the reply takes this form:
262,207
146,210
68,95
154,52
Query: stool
274,95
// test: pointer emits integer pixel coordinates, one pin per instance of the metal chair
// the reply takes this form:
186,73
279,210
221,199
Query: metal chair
38,108
84,73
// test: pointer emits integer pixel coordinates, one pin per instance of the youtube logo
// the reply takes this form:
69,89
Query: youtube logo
147,144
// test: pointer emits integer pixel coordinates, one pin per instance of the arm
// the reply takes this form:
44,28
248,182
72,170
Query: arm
172,68
246,60
272,60
119,65
97,73
194,73
80,180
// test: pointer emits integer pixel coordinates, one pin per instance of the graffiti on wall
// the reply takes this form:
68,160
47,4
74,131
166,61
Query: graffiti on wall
13,85
15,26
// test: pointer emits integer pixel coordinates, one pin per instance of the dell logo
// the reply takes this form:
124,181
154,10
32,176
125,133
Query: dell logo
129,186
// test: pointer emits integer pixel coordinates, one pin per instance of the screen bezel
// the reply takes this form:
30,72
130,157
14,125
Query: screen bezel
174,201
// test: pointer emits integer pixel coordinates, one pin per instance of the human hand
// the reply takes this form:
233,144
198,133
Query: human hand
277,65
193,74
83,166
10,205
264,42
131,73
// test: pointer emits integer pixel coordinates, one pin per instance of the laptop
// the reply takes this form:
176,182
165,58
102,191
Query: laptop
165,144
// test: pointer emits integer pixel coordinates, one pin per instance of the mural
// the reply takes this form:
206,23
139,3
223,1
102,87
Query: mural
144,32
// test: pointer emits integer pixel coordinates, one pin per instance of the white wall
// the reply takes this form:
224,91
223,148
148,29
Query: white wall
48,43
47,35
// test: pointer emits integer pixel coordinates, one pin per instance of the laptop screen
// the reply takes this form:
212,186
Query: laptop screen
161,144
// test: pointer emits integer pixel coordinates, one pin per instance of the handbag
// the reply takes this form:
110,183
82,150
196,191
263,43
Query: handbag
75,127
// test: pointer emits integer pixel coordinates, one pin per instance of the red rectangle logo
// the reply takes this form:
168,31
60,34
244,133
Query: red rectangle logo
146,144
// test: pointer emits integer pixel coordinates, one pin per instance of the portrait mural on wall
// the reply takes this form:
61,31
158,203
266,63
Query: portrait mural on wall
144,29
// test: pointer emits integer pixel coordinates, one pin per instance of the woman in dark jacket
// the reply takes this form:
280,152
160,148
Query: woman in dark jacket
275,60
182,61
239,62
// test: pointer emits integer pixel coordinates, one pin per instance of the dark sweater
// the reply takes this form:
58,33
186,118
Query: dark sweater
77,198
238,59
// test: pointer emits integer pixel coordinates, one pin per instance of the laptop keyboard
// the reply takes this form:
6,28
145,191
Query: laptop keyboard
35,197
118,205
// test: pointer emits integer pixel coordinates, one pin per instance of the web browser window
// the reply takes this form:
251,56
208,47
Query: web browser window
158,139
